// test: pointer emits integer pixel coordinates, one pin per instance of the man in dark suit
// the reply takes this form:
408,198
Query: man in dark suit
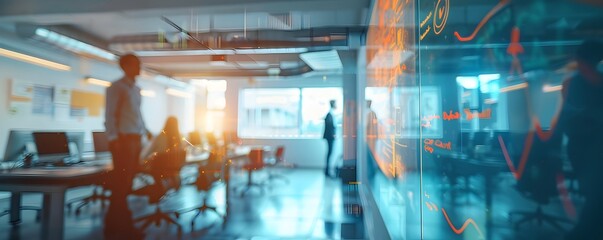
329,135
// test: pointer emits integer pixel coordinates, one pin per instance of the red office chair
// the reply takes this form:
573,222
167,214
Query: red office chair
278,162
256,163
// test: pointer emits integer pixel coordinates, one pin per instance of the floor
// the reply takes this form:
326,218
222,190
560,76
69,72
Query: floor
461,211
305,206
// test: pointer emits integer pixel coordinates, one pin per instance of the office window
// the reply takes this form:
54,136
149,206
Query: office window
269,112
315,106
216,103
286,112
216,94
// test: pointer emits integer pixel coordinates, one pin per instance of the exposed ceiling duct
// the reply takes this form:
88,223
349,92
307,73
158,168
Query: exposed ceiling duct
238,40
177,54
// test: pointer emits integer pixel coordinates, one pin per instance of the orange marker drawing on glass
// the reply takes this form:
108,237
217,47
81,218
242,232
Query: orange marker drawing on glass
443,145
441,16
515,49
502,4
451,116
462,229
487,114
428,149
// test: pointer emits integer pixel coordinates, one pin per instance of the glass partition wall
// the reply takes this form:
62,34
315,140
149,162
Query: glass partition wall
484,118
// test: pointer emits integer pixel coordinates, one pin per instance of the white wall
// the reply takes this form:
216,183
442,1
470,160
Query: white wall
154,109
302,152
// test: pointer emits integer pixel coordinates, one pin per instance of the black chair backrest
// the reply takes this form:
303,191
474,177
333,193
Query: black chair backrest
167,163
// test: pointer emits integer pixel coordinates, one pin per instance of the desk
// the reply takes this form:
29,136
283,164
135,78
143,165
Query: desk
52,183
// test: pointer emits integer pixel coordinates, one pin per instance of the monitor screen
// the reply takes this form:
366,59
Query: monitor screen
76,138
17,144
101,142
49,143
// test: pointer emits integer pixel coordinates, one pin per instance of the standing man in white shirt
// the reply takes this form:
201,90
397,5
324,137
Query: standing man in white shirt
125,128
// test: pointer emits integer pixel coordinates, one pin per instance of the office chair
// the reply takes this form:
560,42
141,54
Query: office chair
99,193
256,163
539,185
165,171
208,178
278,161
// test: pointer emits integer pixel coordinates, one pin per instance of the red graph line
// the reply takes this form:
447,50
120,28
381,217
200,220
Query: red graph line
494,11
462,229
542,135
517,173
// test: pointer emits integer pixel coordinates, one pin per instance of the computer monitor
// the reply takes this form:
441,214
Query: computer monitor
76,138
17,144
101,142
51,146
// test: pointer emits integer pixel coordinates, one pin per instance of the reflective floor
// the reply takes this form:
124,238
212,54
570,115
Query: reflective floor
474,208
305,206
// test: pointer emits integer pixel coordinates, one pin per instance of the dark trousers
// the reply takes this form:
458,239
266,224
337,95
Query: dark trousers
329,152
125,152
587,161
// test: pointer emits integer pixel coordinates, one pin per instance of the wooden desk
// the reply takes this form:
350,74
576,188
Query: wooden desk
52,183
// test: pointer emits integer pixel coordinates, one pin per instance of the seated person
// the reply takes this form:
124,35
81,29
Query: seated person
168,139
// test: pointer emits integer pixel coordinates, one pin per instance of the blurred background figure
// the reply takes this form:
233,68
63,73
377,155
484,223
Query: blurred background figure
581,120
329,135
372,129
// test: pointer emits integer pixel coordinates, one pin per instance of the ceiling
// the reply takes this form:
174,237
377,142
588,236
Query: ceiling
175,27
177,38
